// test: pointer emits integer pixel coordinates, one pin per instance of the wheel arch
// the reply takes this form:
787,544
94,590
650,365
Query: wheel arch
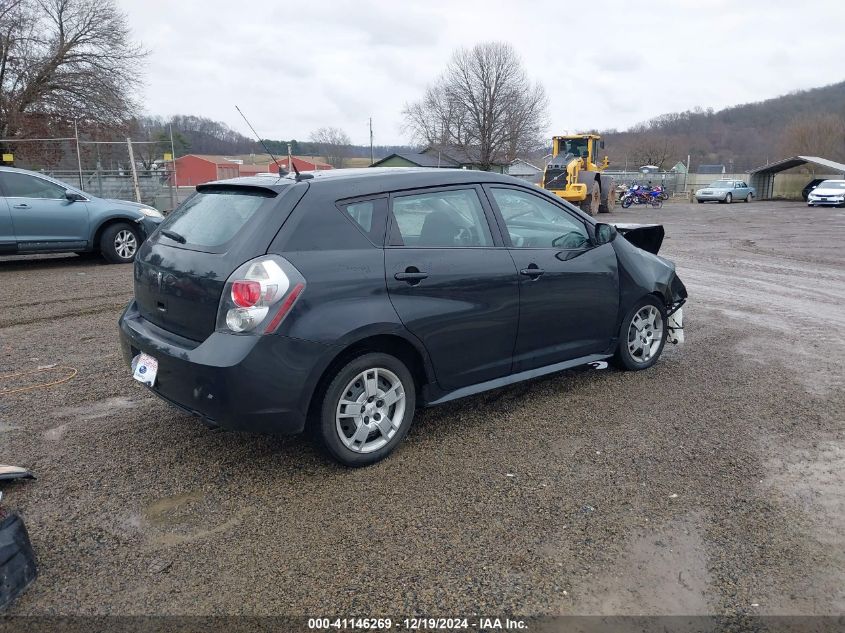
106,223
410,353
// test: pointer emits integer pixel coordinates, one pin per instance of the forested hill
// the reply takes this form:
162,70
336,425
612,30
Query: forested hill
801,122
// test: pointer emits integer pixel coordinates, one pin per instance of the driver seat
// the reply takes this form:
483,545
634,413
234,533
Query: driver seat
439,229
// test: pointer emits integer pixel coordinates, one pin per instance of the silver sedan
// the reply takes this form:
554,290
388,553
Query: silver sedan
726,191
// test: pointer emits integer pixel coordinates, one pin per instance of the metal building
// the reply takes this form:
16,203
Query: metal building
763,178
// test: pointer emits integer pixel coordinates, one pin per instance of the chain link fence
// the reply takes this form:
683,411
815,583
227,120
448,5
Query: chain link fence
139,171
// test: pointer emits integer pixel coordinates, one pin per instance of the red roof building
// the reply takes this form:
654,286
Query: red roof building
196,169
302,164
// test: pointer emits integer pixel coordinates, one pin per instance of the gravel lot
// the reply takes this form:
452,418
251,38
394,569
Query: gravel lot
712,483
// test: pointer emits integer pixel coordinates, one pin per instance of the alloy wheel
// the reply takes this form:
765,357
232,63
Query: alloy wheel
371,410
125,244
645,334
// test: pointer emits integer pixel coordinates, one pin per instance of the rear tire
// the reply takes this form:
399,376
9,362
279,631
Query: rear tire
641,341
119,243
367,409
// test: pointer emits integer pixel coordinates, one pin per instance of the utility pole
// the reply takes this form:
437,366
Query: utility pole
173,156
372,158
290,159
134,170
78,155
174,199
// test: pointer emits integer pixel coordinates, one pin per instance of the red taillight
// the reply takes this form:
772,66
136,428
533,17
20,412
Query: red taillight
287,304
246,294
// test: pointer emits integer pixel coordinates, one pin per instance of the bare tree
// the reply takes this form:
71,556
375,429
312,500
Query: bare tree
652,148
333,143
65,59
484,103
816,135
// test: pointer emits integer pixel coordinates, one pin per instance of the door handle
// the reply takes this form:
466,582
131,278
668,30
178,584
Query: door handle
412,275
22,205
532,271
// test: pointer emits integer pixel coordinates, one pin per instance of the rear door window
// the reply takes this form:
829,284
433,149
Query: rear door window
212,219
442,219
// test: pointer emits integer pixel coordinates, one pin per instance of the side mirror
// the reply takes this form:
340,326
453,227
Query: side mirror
73,196
605,233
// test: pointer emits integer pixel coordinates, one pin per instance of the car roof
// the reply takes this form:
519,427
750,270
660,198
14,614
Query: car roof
24,171
833,180
374,178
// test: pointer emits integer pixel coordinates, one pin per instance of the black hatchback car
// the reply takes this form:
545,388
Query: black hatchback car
343,300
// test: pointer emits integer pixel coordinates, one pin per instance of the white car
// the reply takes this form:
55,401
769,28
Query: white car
828,192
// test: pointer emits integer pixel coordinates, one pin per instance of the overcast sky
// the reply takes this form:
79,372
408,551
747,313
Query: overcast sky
295,66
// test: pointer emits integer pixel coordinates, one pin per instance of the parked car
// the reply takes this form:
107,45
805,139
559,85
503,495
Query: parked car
347,300
39,214
805,192
726,191
828,192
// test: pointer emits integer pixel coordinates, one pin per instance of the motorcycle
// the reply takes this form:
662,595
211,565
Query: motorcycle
640,195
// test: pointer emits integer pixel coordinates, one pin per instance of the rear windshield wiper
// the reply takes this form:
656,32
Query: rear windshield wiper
173,235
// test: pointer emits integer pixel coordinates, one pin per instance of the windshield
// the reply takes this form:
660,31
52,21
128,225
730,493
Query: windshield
832,184
722,184
576,147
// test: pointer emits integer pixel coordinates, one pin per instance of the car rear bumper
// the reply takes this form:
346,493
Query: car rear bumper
260,384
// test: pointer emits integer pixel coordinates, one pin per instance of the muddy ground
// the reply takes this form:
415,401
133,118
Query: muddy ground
713,483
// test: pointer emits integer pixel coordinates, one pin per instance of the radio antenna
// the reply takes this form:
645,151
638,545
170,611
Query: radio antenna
264,145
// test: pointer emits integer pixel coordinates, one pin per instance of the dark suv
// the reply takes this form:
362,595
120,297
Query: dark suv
346,299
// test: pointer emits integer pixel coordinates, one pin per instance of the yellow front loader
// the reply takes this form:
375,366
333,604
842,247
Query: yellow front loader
573,174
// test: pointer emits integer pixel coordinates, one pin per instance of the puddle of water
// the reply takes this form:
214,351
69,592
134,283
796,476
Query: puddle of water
176,520
162,511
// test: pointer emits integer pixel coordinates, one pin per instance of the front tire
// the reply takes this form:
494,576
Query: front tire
367,409
749,197
119,243
729,198
590,205
642,335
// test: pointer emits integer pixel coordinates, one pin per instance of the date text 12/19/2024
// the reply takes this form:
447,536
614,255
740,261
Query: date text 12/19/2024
418,624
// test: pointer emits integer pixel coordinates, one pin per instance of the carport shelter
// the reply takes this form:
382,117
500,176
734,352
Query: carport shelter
763,178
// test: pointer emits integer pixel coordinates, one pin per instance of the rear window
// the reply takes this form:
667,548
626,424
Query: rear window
213,218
